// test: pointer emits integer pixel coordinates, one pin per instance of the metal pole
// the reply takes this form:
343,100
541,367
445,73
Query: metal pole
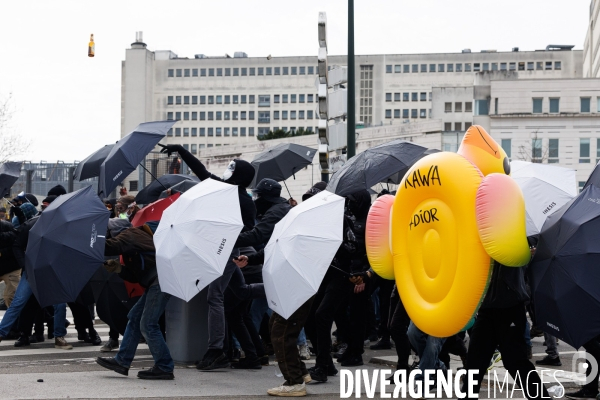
70,185
351,125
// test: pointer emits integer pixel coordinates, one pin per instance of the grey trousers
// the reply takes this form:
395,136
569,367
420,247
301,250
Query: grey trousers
551,349
216,310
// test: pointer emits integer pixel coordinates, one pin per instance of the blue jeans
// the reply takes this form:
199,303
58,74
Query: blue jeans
22,295
428,347
143,320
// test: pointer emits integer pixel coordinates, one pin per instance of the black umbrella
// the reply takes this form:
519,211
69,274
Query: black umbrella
152,192
281,162
90,167
66,246
565,271
396,178
181,187
375,165
594,178
128,152
9,174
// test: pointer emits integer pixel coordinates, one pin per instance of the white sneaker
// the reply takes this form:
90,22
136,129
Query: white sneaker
288,391
304,352
307,378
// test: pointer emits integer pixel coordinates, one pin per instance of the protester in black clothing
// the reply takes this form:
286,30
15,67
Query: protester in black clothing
385,290
240,173
10,271
398,326
270,209
500,324
346,280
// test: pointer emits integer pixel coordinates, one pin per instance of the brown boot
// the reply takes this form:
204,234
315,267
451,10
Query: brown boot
61,343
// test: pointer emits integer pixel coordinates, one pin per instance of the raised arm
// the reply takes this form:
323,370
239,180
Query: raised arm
195,165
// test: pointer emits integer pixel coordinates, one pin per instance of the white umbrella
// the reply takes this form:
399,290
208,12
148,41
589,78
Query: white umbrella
195,238
546,188
300,250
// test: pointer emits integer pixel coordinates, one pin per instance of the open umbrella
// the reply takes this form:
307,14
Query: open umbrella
396,178
181,187
375,165
9,174
128,152
153,211
90,167
195,238
66,246
545,188
565,271
152,192
300,250
281,161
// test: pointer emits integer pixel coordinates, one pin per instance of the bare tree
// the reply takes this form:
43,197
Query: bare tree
12,145
533,153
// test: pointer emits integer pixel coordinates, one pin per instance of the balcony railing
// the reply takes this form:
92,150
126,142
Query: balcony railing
264,104
264,120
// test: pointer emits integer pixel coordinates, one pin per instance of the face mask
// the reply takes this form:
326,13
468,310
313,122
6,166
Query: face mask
229,171
123,216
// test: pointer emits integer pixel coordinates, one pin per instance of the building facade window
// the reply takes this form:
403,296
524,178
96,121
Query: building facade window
536,150
170,100
507,147
537,105
366,94
388,69
458,106
388,113
450,67
171,73
388,97
264,100
585,104
194,132
448,107
584,151
481,107
554,105
553,151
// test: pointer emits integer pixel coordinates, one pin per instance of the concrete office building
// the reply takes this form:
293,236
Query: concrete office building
230,101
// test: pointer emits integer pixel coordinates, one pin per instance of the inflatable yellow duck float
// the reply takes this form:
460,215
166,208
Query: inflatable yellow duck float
453,214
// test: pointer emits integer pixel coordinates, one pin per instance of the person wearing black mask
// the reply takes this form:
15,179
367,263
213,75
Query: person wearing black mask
240,173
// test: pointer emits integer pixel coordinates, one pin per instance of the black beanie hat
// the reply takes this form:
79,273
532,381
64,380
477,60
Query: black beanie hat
317,187
57,191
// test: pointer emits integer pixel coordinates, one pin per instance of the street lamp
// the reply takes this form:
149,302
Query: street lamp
351,118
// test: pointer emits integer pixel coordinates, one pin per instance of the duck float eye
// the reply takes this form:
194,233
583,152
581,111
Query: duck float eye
438,236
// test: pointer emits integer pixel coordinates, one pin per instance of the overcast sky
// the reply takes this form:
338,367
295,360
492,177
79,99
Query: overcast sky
69,104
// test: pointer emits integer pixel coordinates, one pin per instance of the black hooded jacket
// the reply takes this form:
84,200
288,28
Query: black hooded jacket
242,177
262,232
352,254
506,288
8,234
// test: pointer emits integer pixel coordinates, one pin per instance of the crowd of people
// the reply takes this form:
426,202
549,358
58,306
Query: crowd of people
243,331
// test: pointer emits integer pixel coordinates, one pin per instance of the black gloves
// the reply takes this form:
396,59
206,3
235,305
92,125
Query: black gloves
170,148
